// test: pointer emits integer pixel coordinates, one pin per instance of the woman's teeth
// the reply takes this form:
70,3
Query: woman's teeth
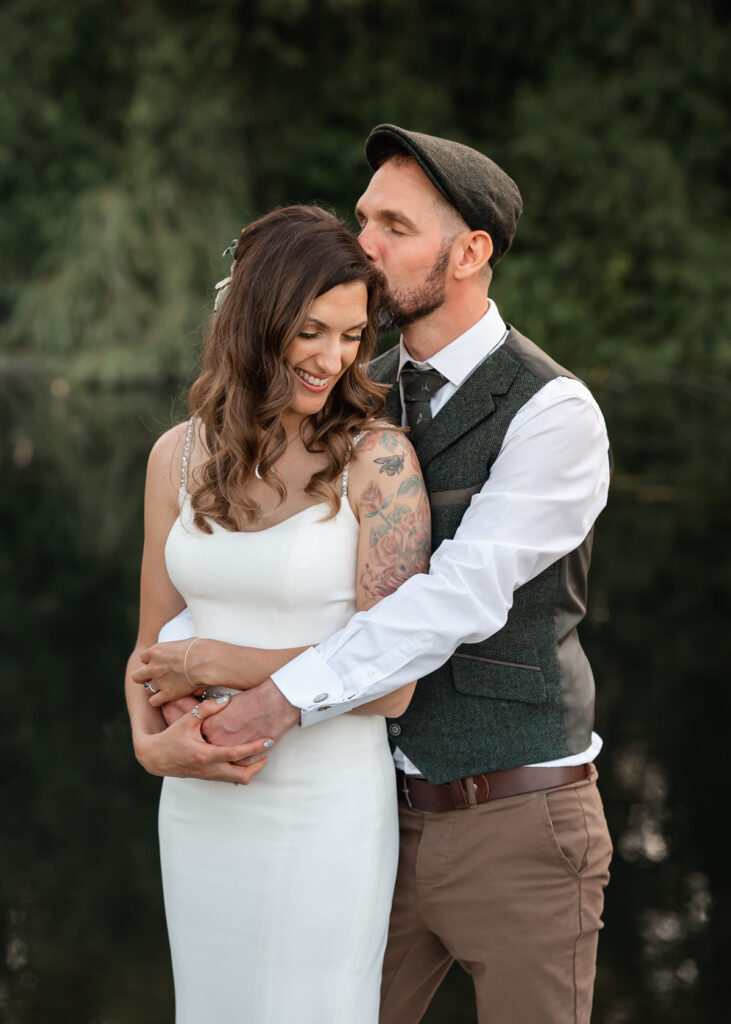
316,382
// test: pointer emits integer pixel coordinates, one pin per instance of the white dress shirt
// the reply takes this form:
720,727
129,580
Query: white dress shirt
545,490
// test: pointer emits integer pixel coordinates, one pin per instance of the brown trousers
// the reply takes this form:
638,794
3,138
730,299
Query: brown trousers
513,890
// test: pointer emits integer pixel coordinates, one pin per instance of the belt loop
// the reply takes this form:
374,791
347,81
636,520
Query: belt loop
469,787
482,783
405,789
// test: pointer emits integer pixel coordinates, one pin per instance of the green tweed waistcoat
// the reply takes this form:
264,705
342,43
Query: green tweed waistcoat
526,694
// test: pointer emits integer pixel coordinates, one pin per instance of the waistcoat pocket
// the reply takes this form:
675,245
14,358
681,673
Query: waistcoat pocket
500,680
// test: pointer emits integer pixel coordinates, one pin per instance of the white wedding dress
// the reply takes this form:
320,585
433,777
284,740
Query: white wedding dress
277,894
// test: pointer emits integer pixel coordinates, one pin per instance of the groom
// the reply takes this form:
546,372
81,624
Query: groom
504,847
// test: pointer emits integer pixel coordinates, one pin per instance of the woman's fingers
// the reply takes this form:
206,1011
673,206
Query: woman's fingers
168,693
175,709
207,708
140,675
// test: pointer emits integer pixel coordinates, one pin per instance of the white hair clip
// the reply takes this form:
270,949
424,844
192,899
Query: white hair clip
221,289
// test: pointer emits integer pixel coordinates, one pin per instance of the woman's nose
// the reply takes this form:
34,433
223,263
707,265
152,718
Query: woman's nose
329,357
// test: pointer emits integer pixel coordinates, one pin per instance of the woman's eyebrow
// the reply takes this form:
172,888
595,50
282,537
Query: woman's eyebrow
321,323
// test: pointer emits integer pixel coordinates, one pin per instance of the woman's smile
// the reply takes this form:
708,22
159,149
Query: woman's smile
310,381
326,345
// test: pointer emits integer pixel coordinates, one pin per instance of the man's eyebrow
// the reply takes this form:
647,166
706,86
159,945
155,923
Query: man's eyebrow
391,215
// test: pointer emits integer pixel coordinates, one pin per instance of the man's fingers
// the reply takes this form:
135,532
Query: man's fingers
243,776
240,776
245,753
252,759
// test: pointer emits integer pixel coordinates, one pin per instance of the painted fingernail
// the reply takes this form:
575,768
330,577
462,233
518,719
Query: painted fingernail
268,744
221,700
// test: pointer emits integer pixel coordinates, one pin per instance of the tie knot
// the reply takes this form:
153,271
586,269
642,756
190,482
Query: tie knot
420,385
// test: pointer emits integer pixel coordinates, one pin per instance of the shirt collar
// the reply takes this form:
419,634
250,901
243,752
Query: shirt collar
457,360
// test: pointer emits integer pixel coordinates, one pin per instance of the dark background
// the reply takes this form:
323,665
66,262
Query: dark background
135,141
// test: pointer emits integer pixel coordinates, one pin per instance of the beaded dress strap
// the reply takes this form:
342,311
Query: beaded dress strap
346,470
186,455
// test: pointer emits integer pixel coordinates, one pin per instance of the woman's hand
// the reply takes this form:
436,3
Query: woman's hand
182,752
164,666
209,663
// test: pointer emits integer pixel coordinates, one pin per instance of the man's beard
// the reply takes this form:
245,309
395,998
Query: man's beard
399,309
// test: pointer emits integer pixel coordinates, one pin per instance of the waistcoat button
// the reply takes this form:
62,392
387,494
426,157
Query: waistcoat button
394,729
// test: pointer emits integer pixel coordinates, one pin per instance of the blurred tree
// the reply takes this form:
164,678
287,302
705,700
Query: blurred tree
144,135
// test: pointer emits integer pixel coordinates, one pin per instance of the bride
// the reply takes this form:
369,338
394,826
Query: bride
279,509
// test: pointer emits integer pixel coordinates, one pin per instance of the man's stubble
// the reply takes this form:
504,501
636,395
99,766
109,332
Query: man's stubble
399,309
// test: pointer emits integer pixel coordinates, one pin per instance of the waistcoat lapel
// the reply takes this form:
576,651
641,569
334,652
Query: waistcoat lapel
470,404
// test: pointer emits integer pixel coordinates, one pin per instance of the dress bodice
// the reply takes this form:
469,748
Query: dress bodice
289,585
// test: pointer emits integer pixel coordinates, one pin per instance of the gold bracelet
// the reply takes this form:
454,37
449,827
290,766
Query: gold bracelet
185,663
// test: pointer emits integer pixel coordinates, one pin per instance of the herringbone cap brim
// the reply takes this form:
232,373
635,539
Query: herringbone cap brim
487,198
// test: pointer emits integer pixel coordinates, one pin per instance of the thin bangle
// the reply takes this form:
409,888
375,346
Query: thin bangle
185,663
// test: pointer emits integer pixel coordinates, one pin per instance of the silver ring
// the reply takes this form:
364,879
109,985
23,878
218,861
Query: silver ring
149,687
195,714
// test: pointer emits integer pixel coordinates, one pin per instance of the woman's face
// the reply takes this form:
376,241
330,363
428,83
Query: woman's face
327,345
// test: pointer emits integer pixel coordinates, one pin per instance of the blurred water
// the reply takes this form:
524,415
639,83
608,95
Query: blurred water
82,923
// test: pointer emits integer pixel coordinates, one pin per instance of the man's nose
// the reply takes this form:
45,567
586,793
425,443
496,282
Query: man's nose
365,239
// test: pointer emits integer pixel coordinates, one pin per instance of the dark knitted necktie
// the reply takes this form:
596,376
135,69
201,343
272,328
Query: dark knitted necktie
418,387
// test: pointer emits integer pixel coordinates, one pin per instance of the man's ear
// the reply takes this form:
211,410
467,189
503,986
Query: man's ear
474,251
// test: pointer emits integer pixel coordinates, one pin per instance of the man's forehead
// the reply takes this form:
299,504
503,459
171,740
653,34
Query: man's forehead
400,183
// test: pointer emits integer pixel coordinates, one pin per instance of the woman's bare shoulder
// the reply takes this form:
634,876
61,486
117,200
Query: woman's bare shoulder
166,456
384,449
386,471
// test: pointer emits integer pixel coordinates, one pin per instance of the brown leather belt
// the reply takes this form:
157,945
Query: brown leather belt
420,795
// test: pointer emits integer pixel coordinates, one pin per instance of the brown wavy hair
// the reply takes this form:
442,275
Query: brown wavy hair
282,263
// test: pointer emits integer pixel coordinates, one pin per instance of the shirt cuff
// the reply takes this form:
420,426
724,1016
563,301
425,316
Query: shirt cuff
310,684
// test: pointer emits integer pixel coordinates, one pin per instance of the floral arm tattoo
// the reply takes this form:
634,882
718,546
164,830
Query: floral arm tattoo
394,512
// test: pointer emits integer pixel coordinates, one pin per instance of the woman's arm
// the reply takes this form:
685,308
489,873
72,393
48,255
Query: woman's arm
181,749
394,544
208,663
388,495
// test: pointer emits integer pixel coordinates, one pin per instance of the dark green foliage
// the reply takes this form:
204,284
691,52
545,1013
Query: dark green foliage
138,139
135,140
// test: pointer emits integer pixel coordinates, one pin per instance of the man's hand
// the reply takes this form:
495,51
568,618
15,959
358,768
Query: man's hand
181,751
261,712
175,709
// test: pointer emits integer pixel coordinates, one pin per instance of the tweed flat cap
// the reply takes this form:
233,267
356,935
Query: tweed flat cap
486,197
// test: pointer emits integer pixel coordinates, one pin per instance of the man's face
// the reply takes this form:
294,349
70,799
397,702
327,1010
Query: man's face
402,232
